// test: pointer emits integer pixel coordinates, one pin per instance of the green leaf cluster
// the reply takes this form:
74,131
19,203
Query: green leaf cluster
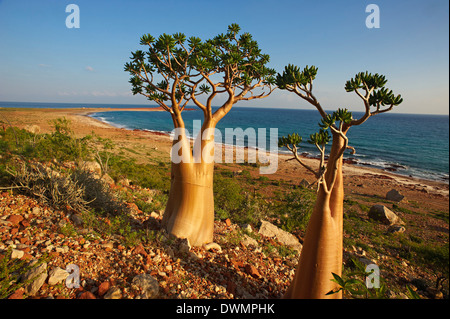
320,138
300,81
166,55
365,80
374,83
341,115
237,53
185,63
384,97
292,75
291,139
323,137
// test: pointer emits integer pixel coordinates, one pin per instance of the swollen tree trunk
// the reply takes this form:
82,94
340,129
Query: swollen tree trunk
190,208
322,247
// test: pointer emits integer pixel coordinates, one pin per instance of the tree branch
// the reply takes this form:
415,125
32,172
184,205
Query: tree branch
298,159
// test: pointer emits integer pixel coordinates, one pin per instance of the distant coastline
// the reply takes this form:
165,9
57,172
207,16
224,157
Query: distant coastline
83,124
385,156
144,107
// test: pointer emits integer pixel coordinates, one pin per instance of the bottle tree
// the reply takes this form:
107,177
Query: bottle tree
321,255
174,71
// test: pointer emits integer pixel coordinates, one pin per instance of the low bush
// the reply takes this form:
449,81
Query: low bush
97,194
76,190
49,186
294,209
144,175
233,201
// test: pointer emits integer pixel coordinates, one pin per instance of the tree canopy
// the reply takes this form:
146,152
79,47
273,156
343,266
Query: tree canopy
369,87
175,70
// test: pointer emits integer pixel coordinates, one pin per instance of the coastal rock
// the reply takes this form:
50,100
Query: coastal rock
33,128
56,275
124,182
93,167
16,254
36,210
249,241
270,230
394,195
18,294
140,250
103,288
247,228
113,293
304,183
37,275
252,271
213,246
87,295
107,179
384,215
148,284
108,246
396,229
350,160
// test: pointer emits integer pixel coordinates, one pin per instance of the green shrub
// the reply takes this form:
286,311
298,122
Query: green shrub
145,175
60,144
228,194
234,202
294,209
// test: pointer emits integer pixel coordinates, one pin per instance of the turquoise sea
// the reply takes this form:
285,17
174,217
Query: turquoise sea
406,144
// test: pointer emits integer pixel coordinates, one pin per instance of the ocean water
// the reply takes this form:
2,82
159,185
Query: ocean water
407,144
416,145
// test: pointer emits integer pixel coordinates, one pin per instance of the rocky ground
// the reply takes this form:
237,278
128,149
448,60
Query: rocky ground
109,269
242,263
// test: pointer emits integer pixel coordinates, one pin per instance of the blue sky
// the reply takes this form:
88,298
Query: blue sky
41,60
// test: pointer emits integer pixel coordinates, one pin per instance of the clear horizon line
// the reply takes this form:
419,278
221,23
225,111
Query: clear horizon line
194,106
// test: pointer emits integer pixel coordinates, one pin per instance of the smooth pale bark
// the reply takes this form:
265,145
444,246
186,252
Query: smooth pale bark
322,247
190,208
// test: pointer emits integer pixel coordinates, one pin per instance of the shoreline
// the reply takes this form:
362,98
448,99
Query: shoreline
348,168
350,161
84,124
